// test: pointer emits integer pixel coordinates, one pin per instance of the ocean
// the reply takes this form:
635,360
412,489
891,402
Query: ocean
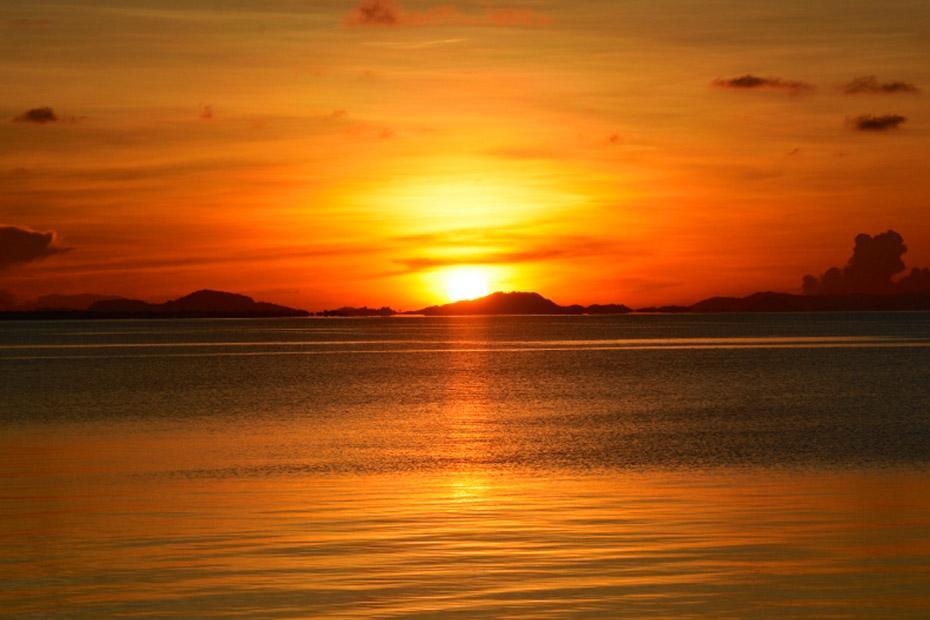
724,466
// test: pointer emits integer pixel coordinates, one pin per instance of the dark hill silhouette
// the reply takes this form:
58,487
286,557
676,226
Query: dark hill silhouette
81,301
785,302
515,303
200,304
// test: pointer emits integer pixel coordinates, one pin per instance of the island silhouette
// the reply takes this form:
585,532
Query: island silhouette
204,303
866,283
516,303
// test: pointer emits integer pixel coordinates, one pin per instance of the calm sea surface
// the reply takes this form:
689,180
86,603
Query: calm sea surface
640,466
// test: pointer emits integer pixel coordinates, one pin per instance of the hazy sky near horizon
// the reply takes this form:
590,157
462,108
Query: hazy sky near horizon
319,152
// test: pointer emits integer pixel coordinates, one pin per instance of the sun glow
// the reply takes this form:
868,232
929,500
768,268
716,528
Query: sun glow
466,283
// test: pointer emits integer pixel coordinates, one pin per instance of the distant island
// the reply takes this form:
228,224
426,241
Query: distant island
786,302
218,304
516,303
533,303
200,304
347,311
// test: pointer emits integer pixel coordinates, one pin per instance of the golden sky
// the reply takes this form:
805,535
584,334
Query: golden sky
321,153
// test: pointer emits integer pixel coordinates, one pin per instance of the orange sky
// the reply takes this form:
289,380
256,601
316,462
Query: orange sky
321,153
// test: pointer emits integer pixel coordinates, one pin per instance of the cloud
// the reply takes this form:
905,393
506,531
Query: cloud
753,82
422,263
175,262
375,13
19,246
415,45
870,269
886,122
390,13
467,251
869,84
39,116
917,281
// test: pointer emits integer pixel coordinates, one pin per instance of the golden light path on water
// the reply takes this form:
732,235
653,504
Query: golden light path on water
476,542
609,467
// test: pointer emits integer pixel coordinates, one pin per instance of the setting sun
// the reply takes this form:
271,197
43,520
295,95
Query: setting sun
466,283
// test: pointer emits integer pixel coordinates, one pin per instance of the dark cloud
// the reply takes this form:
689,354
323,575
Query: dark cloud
869,84
870,269
753,82
375,13
19,246
917,281
885,122
39,116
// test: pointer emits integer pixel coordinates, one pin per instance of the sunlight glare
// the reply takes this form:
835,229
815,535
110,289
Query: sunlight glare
466,283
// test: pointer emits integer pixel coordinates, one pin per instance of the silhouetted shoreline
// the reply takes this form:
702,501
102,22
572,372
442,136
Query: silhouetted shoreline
198,305
496,304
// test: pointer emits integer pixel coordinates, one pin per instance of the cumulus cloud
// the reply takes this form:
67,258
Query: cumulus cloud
917,281
391,13
869,84
19,246
885,122
754,82
870,269
39,116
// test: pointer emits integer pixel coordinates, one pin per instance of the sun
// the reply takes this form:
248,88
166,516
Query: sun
466,283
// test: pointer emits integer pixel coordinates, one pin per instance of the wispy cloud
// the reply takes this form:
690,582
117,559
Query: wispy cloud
754,82
870,84
414,45
391,13
174,262
470,247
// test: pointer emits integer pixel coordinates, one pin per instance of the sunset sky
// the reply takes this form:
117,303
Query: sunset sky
321,153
